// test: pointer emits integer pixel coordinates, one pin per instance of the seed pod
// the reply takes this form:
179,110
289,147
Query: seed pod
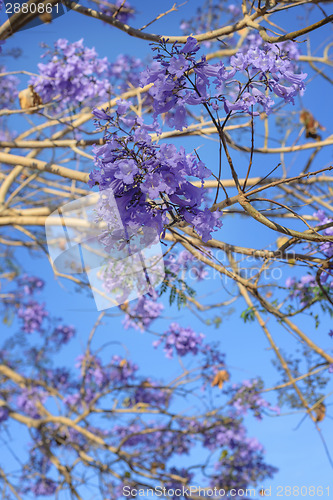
46,17
281,241
320,412
29,98
310,124
221,377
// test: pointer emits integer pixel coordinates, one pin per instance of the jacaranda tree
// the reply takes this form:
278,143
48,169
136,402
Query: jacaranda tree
138,180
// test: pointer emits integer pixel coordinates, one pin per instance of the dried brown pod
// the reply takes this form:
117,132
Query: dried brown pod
311,125
124,306
146,383
155,466
46,17
29,98
221,377
281,241
320,412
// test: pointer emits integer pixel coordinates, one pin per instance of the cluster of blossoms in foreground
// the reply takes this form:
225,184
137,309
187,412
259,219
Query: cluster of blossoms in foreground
265,68
149,181
74,73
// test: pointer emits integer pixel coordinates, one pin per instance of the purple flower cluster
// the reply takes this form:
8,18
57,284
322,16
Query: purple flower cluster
148,393
145,310
307,289
258,62
32,314
135,169
288,49
303,289
73,75
8,89
99,375
43,487
180,340
63,334
124,72
210,16
241,459
185,261
28,400
247,397
246,457
160,443
30,284
59,378
264,69
121,10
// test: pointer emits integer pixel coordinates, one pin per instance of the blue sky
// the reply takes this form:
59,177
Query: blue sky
299,454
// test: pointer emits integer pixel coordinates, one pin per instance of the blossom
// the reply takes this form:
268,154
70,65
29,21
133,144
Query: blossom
75,73
287,93
126,171
148,393
62,334
143,312
44,487
30,284
122,106
178,65
32,314
267,66
204,222
121,10
28,400
136,169
327,246
179,339
190,46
